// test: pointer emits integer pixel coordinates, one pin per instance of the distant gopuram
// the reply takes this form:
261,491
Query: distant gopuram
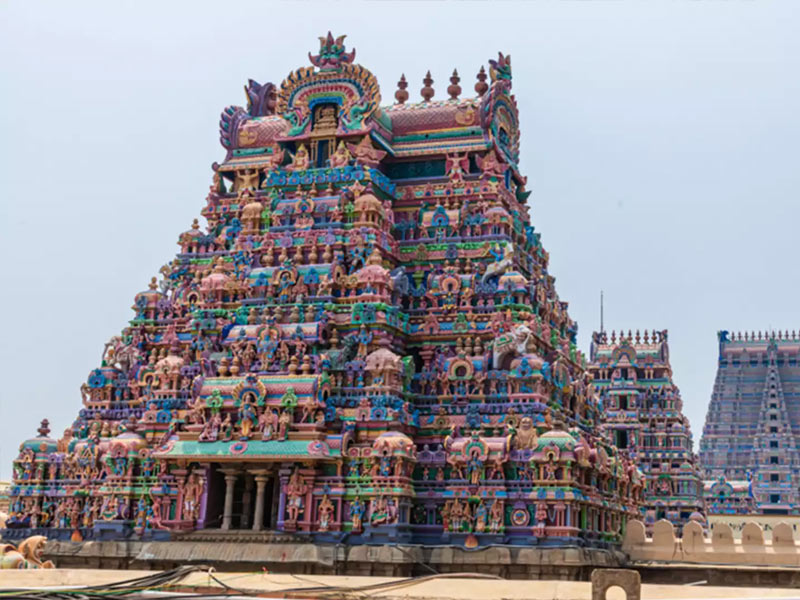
752,432
642,416
363,344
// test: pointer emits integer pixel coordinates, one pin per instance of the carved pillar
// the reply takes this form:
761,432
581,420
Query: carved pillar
261,484
246,501
180,476
278,504
227,512
205,476
280,483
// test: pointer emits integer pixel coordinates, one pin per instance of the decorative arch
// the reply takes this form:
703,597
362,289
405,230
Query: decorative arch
461,369
500,119
352,88
624,350
253,386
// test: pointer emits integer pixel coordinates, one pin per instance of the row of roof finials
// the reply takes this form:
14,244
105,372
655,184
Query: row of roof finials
365,344
645,336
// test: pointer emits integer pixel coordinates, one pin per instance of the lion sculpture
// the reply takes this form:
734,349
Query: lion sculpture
514,342
28,555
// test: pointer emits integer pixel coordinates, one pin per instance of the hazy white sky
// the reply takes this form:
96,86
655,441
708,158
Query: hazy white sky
660,140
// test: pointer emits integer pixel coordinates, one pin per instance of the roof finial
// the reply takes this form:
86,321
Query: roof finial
481,87
401,95
454,89
44,428
427,91
332,53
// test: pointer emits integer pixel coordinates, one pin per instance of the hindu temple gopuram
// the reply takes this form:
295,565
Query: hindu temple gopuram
751,437
642,416
362,344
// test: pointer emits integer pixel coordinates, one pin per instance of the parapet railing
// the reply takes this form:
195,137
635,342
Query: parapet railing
718,547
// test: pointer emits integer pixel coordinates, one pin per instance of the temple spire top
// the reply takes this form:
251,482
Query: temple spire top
44,428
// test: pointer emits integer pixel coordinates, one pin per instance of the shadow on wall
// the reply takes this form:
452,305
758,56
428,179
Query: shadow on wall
720,548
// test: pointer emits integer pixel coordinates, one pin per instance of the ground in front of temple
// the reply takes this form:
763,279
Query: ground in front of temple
440,587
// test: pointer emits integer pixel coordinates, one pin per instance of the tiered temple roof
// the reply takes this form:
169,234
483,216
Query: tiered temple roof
643,417
752,429
363,343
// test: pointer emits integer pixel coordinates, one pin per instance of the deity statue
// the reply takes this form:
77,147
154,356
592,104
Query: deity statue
296,488
490,166
456,166
247,419
541,518
356,513
226,429
144,516
268,424
192,490
456,515
325,513
341,157
379,511
108,510
301,160
475,469
275,160
284,421
496,517
211,429
480,518
525,438
246,179
363,337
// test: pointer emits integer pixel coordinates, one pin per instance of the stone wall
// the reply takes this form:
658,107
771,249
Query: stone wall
511,562
720,547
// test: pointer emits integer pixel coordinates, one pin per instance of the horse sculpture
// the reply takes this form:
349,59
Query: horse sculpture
399,281
498,267
122,356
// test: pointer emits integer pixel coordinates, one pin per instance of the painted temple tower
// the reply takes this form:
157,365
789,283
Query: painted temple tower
362,344
752,431
642,410
728,497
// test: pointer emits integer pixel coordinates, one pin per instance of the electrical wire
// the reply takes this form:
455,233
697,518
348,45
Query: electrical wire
156,581
163,581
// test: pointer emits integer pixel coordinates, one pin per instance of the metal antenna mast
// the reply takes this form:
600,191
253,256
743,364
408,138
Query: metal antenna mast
601,311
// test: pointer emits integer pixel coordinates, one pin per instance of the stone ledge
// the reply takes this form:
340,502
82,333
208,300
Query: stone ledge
396,560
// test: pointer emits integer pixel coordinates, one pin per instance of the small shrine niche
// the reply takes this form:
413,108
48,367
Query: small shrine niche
325,122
